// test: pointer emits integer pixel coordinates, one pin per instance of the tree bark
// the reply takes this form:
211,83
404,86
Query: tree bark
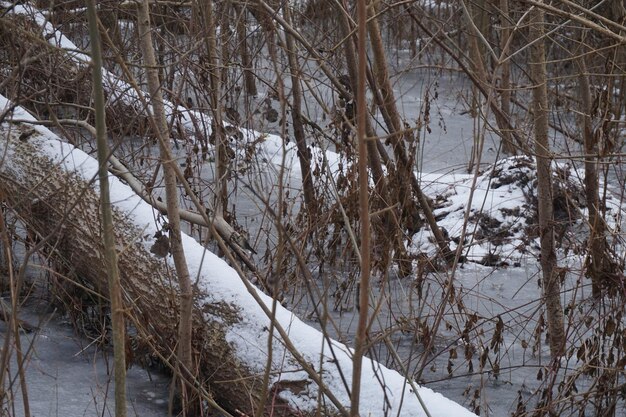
598,263
378,174
108,234
246,60
505,85
551,284
304,155
360,342
215,84
184,349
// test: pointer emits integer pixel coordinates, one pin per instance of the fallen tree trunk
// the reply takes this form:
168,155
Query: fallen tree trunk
49,182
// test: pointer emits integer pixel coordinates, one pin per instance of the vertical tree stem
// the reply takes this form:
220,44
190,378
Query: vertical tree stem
361,114
505,87
171,197
551,284
378,174
15,286
108,233
298,128
215,83
246,59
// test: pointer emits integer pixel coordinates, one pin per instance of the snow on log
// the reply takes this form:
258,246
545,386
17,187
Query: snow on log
54,186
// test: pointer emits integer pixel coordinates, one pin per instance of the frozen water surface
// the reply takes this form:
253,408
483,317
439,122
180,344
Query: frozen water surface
66,375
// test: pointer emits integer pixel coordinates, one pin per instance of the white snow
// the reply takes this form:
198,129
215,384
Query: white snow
220,282
248,338
223,283
270,146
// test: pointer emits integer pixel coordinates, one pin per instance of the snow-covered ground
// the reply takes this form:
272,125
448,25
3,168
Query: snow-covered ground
499,284
220,283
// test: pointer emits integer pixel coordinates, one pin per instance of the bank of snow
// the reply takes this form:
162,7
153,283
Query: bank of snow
496,211
384,391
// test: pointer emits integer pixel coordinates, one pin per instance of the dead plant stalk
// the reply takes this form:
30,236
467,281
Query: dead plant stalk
361,114
108,232
171,195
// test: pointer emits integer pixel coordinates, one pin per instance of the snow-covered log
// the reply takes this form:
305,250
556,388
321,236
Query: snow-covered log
53,185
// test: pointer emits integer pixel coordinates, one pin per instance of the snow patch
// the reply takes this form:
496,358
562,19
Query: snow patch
383,390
